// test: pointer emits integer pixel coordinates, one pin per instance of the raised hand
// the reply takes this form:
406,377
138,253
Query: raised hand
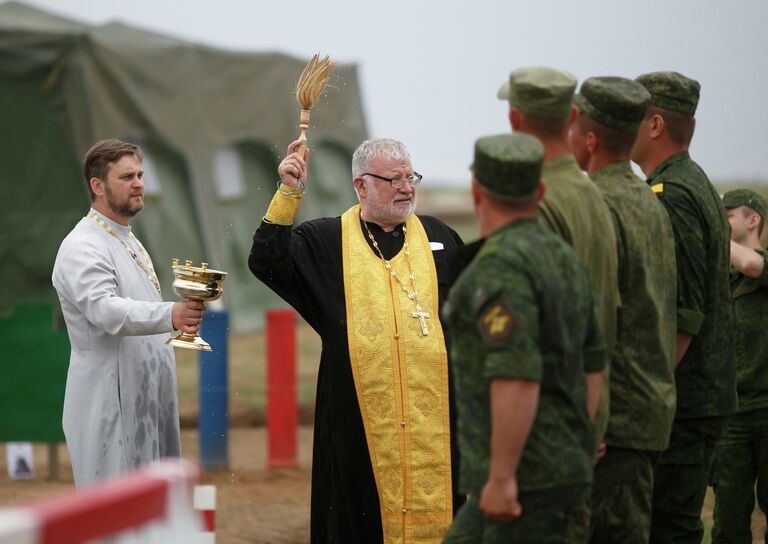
294,166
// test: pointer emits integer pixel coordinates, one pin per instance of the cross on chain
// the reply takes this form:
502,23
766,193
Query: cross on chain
422,316
419,314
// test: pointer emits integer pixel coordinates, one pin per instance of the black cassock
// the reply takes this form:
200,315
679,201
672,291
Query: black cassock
304,267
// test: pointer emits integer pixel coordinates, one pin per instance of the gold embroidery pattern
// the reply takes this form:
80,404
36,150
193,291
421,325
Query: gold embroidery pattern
371,326
401,379
283,208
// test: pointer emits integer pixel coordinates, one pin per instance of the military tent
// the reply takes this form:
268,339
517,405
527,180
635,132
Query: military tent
211,122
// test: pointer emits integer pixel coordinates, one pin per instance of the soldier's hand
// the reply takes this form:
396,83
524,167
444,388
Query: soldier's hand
294,166
498,500
601,449
187,315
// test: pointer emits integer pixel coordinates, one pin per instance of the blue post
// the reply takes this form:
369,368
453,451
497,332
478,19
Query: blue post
213,424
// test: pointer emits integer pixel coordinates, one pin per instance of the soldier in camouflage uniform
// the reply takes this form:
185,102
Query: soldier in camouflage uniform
525,337
741,455
642,382
705,376
540,104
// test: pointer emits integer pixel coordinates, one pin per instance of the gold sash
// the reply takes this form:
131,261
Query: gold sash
401,379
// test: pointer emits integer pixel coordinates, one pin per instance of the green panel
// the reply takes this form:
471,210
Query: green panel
34,374
42,189
167,226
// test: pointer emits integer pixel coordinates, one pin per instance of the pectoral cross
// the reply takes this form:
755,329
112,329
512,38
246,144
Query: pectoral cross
422,316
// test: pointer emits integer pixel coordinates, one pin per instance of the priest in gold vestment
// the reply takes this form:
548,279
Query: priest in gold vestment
371,283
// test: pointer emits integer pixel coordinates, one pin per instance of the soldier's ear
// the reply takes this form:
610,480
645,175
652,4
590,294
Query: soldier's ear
753,221
657,126
573,115
477,192
593,143
514,118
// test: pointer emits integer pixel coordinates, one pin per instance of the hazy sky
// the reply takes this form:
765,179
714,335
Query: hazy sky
430,70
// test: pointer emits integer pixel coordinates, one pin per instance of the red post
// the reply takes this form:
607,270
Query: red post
282,411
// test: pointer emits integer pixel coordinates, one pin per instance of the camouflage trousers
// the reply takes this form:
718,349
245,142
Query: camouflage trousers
621,497
549,517
741,461
680,481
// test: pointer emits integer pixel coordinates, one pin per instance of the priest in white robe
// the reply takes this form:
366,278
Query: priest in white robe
121,404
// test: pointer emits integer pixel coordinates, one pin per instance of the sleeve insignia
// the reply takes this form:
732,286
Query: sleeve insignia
496,322
658,188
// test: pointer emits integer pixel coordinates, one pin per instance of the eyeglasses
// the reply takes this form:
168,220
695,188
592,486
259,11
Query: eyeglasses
399,183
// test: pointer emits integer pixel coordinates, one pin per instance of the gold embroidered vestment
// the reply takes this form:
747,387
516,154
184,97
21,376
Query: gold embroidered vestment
401,381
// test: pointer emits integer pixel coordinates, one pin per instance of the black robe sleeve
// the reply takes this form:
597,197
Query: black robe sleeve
303,266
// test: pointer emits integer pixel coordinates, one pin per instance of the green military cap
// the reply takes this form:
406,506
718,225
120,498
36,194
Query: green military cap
745,197
508,164
614,102
672,91
539,91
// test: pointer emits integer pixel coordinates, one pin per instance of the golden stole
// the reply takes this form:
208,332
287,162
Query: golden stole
401,379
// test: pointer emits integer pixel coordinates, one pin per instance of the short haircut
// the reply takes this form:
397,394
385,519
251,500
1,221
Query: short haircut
616,142
102,155
547,128
679,126
513,203
386,148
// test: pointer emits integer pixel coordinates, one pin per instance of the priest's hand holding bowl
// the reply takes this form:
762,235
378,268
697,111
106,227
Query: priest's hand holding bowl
187,315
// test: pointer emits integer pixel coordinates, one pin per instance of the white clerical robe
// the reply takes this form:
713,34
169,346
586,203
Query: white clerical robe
120,405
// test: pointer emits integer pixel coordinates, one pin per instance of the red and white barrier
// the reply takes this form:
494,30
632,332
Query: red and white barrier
204,502
151,505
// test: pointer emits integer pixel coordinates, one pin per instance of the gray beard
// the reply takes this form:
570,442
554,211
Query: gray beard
392,214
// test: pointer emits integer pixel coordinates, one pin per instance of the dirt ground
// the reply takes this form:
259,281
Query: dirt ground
255,505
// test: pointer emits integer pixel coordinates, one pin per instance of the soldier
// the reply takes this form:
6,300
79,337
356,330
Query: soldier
540,104
705,376
642,382
741,455
525,336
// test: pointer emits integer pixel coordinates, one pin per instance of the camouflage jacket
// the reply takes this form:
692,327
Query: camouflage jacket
522,309
573,208
642,375
706,377
750,305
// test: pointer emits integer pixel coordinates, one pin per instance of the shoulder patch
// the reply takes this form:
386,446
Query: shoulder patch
496,322
657,188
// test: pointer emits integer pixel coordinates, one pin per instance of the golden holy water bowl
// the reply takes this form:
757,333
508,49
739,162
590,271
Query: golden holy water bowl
195,283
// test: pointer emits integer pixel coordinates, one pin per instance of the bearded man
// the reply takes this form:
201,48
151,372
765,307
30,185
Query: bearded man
121,409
